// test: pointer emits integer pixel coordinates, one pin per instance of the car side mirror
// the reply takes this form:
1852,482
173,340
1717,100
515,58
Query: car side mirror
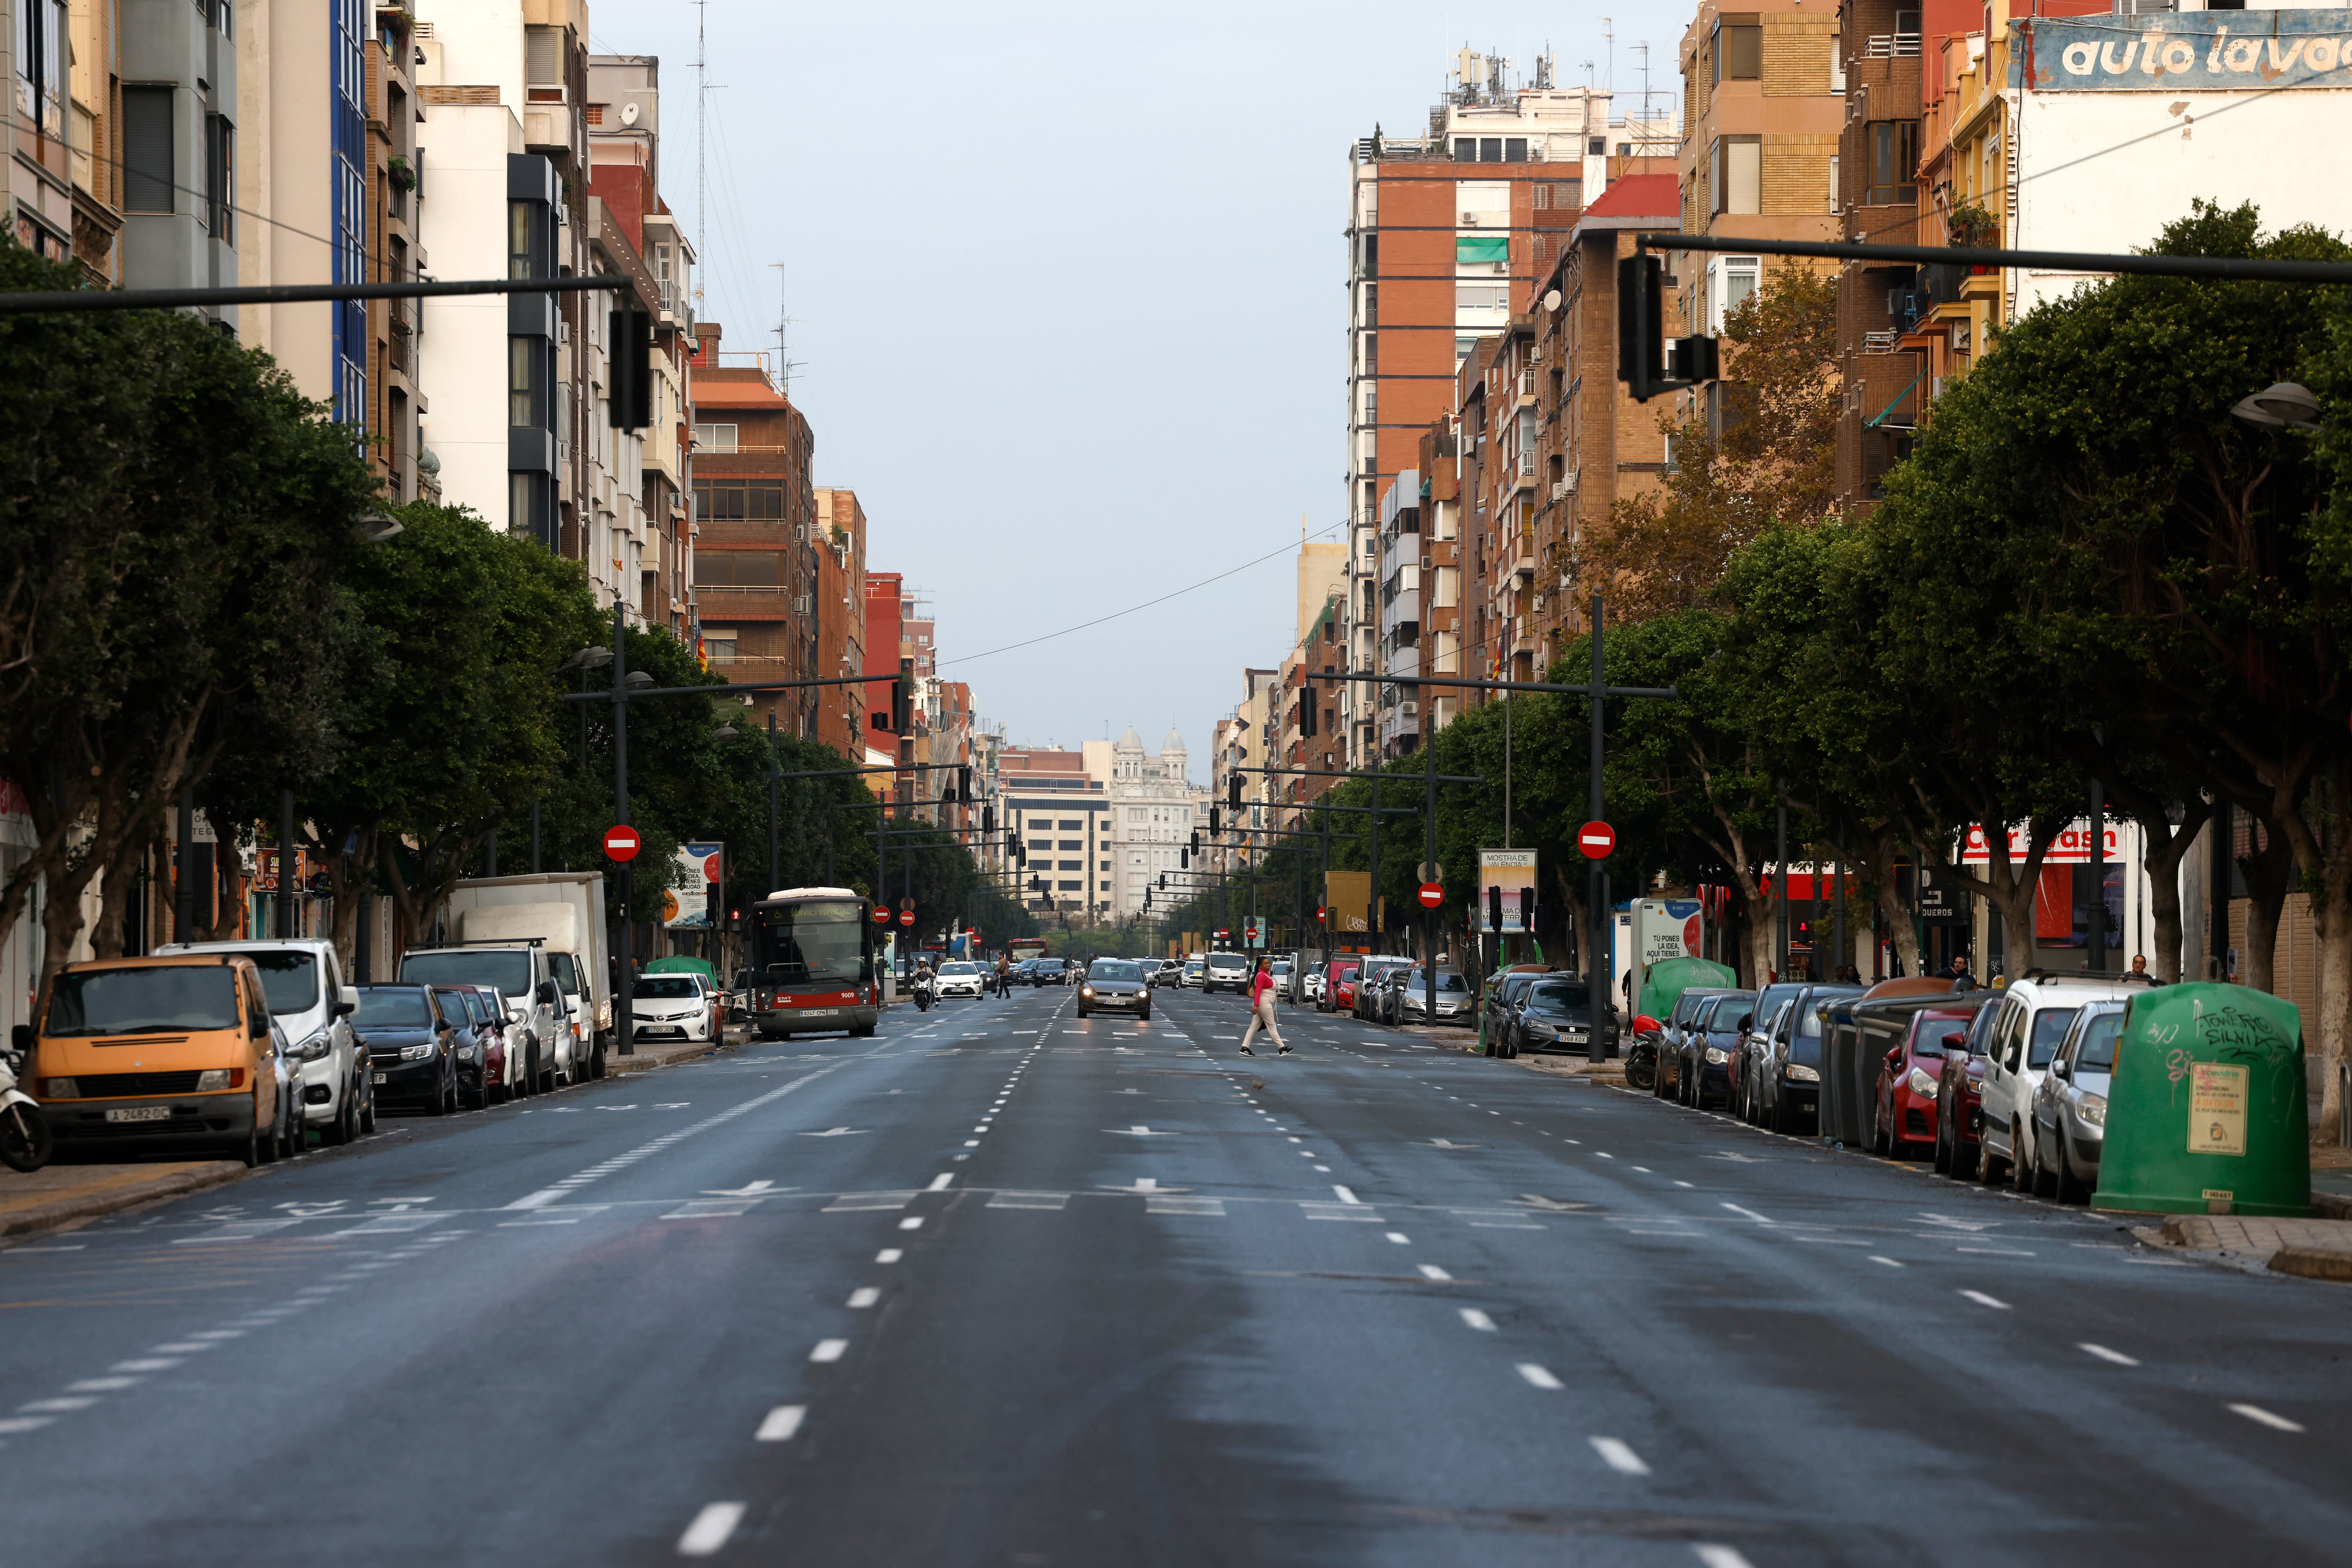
20,1038
1954,1041
2058,1070
1746,1021
1895,1057
345,1009
546,993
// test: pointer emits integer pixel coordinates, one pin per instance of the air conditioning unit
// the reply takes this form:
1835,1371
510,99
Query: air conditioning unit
1469,220
1427,562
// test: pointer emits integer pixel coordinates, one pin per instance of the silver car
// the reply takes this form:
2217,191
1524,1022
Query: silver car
1117,984
1412,997
2070,1105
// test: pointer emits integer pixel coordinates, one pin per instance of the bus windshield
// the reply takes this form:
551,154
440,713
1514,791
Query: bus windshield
819,942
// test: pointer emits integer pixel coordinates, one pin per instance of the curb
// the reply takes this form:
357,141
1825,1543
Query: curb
617,1066
95,1205
2311,1263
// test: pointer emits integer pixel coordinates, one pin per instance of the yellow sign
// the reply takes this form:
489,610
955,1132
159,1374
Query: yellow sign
1347,898
2217,1109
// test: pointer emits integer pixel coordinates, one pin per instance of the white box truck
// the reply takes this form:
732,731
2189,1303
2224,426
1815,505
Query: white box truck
565,911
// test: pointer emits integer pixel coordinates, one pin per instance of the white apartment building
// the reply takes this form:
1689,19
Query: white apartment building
1153,810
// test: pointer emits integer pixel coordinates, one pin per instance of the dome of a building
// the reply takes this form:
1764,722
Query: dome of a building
1130,741
1174,743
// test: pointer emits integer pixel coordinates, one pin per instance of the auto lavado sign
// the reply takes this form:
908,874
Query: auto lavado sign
2186,51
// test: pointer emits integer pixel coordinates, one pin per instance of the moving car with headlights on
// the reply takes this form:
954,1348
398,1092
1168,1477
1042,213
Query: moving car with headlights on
144,1054
1227,972
1116,983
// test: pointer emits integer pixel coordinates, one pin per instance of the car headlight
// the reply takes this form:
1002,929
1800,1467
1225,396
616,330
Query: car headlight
2093,1109
314,1045
60,1088
212,1078
1921,1084
1718,1055
415,1053
1800,1073
1085,990
1535,1026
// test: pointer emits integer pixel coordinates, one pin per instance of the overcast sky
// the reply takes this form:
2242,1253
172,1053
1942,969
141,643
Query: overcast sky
1067,288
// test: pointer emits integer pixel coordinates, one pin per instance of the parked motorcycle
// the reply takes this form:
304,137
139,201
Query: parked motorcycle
25,1142
1642,1055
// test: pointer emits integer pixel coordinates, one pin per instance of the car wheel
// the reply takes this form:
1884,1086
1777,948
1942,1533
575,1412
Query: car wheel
2045,1178
1784,1118
1964,1156
2065,1188
1942,1163
1877,1130
250,1151
338,1131
2022,1177
1144,1016
367,1116
596,1060
1989,1165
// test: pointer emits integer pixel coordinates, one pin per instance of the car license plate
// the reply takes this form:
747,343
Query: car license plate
141,1113
380,1076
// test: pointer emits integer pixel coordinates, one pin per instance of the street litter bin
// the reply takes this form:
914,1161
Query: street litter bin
2206,1106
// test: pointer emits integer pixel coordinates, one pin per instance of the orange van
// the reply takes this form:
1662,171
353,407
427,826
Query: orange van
144,1054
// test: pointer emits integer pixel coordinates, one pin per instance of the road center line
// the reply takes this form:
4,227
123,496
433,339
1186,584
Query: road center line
1618,1457
711,1529
2103,1353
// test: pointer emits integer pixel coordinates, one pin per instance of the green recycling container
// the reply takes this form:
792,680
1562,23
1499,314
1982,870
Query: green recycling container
1663,983
2206,1108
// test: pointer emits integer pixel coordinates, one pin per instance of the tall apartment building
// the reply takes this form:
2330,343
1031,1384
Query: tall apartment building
61,185
754,556
1764,110
1447,230
841,619
1060,812
1317,649
1153,809
884,623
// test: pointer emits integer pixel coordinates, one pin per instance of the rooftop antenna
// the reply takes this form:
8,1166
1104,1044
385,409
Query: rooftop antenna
1648,131
784,362
1609,55
701,107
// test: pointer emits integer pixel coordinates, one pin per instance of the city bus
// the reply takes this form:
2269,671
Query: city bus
813,963
1022,947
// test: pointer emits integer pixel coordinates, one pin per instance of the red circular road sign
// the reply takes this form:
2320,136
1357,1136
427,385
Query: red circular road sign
881,915
906,917
621,843
1223,933
1431,895
1322,914
1597,839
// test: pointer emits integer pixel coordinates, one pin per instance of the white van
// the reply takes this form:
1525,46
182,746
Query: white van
309,999
565,912
2035,1014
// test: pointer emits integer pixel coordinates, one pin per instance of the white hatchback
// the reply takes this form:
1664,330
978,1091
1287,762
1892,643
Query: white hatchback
2035,1014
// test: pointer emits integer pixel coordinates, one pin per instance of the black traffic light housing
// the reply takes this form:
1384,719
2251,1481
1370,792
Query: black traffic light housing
1213,829
630,337
1642,363
1234,794
963,784
1307,713
902,699
1494,908
1196,834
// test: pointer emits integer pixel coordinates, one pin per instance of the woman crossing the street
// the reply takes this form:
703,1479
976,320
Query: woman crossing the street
1261,1012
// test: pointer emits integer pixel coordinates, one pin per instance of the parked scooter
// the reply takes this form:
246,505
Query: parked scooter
1642,1055
25,1140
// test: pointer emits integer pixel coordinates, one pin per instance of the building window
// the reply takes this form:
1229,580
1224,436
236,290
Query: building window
1738,179
43,61
721,439
522,252
1894,152
1739,51
737,568
1079,886
740,501
1730,281
719,644
147,150
526,387
220,178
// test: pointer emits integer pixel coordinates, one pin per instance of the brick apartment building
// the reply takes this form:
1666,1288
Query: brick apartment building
883,650
841,619
754,558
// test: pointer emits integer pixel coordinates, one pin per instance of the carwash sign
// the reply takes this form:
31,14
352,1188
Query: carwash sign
2188,50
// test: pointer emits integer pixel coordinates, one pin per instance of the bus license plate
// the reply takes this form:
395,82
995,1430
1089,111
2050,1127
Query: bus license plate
141,1113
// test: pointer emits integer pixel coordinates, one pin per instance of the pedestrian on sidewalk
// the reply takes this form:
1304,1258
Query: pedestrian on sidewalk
1261,1012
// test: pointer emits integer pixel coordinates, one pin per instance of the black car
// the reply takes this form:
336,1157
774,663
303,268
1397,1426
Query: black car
1787,1087
1503,995
1556,1015
410,1045
1712,1037
1676,1028
469,1042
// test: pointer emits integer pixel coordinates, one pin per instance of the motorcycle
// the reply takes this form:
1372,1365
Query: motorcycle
1642,1055
26,1143
923,992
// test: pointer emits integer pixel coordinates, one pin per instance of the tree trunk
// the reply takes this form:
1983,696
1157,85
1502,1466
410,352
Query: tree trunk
1903,931
2164,845
2268,871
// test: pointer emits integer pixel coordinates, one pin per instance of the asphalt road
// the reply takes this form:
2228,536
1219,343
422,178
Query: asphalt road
1001,1287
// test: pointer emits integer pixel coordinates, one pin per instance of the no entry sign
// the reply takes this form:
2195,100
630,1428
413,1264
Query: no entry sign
906,917
881,915
621,843
1431,895
1597,839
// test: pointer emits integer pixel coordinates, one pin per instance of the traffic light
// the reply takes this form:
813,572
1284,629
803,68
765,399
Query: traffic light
630,366
1214,829
1527,909
1494,908
1307,713
1163,879
714,903
963,784
1234,794
1184,855
988,819
1642,362
902,699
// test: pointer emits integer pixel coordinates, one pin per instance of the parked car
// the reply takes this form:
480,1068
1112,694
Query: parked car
1310,985
1338,987
1502,994
1453,996
467,1043
1675,1028
312,1002
503,1055
1786,1092
672,1007
961,977
1555,1014
2070,1107
1369,985
1227,972
206,1078
1960,1097
523,971
2036,1011
1282,970
1714,1038
1114,983
737,997
411,1052
1741,1068
1909,1079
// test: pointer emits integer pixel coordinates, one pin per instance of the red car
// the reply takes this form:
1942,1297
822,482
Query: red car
1338,987
1910,1079
1960,1100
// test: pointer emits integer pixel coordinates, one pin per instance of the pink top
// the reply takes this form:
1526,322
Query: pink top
1259,986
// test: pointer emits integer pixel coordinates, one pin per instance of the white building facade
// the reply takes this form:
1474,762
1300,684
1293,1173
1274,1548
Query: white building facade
1153,810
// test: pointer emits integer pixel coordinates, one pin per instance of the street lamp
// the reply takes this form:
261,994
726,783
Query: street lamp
375,526
2282,404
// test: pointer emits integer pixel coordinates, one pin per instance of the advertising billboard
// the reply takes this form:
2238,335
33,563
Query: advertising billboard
686,902
1510,870
1348,896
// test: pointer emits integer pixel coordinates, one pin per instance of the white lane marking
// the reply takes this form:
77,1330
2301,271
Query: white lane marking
711,1529
1345,1196
1400,1237
781,1422
1644,1169
1473,1317
1537,1375
2276,1423
1715,1556
151,1365
1602,1154
1994,1251
1982,1299
941,1181
1295,1139
1888,1262
1618,1457
58,1405
970,1143
539,1199
1432,1271
1750,1213
888,1255
2103,1353
912,1222
1682,1183
864,1295
828,1350
99,1385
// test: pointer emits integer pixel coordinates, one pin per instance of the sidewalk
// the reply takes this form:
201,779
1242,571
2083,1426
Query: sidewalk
1610,1073
669,1053
2313,1248
61,1195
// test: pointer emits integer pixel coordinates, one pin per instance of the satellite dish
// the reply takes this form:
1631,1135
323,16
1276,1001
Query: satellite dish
1551,300
629,112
